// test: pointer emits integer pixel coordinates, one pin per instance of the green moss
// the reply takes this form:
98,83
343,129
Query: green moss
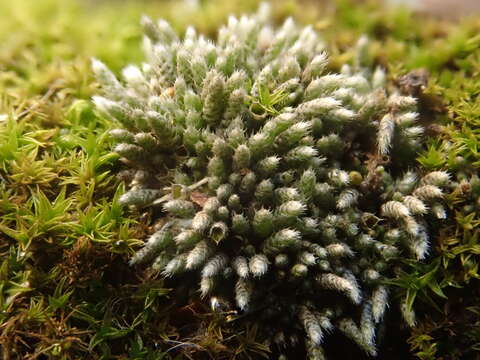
65,289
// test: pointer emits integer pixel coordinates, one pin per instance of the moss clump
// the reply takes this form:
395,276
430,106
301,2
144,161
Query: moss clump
293,192
57,289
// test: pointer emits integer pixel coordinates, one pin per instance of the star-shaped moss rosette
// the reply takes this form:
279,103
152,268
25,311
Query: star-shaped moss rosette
294,191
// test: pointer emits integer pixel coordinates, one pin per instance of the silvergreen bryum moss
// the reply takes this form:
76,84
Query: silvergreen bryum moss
293,191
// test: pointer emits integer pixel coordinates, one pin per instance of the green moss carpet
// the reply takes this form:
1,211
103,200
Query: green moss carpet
66,289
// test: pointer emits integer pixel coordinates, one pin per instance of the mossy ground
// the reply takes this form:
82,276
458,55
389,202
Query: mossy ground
66,290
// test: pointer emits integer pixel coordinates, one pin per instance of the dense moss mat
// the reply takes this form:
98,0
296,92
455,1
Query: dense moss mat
66,290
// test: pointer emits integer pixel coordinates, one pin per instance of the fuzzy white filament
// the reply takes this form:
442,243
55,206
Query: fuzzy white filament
335,282
258,265
385,134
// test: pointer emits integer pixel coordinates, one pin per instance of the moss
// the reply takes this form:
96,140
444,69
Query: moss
65,289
